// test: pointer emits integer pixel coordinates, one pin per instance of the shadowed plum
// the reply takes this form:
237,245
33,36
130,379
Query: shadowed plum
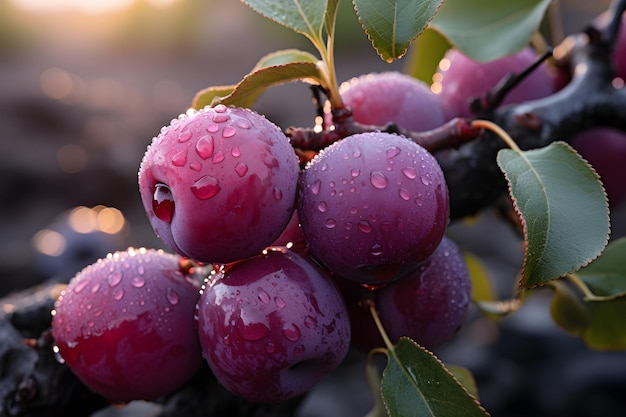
124,325
272,326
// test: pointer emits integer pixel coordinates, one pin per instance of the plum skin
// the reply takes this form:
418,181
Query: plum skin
370,203
464,79
124,325
272,326
231,176
392,97
428,306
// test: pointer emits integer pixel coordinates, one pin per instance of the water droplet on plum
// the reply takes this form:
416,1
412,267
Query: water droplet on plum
118,294
114,278
241,169
378,179
205,147
315,187
81,286
263,296
365,226
310,322
291,332
206,187
180,159
163,203
218,157
172,296
229,132
138,282
409,172
252,331
393,152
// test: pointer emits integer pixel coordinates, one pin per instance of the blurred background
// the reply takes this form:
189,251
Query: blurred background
85,85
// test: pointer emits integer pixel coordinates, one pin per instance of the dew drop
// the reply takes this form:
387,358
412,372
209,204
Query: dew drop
252,331
184,136
212,128
172,296
218,157
310,322
118,294
280,303
241,169
393,152
114,278
235,152
322,206
376,249
315,187
426,180
270,347
365,226
243,123
330,224
378,179
263,296
278,194
355,172
95,288
163,203
291,332
229,132
195,165
140,270
409,172
220,108
221,118
205,147
81,286
138,282
206,187
180,159
404,194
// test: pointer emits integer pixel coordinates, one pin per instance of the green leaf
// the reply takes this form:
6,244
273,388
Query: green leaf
599,323
606,276
392,25
303,16
489,29
425,55
416,383
273,69
563,209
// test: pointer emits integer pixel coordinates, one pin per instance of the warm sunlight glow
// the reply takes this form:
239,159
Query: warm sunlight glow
89,7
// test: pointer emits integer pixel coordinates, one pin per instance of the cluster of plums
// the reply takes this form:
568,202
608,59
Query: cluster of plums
290,250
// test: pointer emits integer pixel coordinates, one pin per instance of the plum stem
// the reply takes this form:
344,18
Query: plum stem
380,327
489,125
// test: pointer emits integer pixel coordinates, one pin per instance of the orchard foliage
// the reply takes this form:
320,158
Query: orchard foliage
557,197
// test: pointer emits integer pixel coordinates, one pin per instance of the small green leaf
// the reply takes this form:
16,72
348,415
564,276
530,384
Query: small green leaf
303,16
393,25
606,276
489,29
599,323
416,383
482,289
562,206
568,309
273,69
